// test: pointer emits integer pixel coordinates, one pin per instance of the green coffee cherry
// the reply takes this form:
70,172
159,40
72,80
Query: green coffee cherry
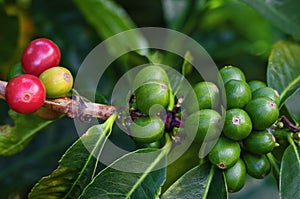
58,81
256,84
263,112
257,166
150,94
267,92
237,124
207,94
261,142
231,72
235,176
238,93
208,122
147,130
225,153
151,73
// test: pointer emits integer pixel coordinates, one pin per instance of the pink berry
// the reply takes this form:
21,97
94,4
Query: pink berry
39,55
25,93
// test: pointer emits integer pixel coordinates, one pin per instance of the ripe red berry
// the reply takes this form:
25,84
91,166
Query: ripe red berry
25,93
39,55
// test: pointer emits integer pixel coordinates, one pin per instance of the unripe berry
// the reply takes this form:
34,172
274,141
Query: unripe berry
150,94
57,80
263,112
235,176
237,124
261,142
25,93
207,96
225,153
238,93
231,72
39,55
147,130
256,84
257,166
267,92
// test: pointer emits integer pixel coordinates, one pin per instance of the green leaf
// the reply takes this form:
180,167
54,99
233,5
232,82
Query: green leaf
109,19
293,107
289,186
203,181
283,73
283,14
76,167
183,15
15,138
139,174
217,188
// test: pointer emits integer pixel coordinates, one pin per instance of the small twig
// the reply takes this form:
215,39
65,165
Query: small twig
73,108
79,108
292,127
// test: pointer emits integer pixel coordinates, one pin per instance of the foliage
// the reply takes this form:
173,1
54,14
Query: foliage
256,35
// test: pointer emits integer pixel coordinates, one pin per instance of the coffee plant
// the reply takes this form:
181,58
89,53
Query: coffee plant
155,125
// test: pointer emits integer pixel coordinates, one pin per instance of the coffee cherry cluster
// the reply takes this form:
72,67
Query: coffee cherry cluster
26,93
244,141
151,95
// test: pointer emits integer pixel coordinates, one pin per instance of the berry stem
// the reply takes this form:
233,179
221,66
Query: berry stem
73,108
289,124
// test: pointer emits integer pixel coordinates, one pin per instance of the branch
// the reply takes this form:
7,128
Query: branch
73,108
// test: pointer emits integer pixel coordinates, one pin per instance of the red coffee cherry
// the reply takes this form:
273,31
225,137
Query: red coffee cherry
25,93
39,55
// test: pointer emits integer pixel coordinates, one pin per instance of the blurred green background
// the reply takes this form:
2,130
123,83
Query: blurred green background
231,31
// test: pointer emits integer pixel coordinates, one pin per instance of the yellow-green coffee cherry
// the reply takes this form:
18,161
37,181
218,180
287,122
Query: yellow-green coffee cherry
261,142
237,124
238,93
147,130
231,72
236,176
225,153
263,112
58,81
257,166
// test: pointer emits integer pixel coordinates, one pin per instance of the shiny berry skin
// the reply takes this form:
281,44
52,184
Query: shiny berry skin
263,112
39,55
25,93
225,153
231,72
58,81
235,176
238,93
